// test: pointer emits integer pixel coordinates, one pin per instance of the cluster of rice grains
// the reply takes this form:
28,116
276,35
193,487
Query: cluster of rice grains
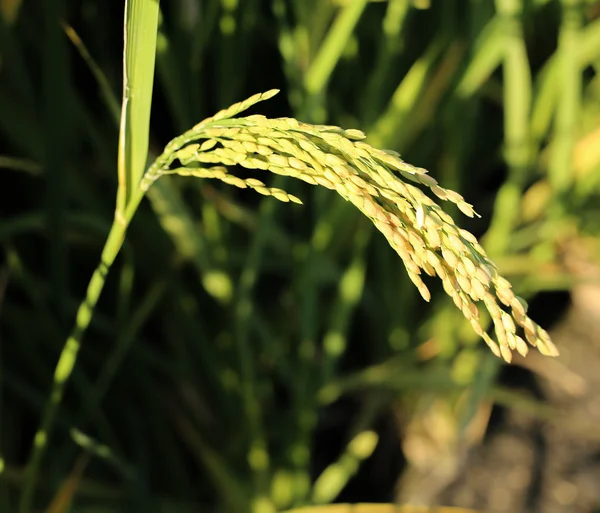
423,235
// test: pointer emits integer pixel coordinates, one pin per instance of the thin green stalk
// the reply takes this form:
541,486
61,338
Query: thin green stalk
389,48
544,108
319,73
23,165
230,59
329,55
560,171
487,53
392,122
314,22
68,356
172,75
517,141
103,83
432,95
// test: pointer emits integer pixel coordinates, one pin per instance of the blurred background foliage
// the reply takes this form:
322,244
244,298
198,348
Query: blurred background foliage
251,355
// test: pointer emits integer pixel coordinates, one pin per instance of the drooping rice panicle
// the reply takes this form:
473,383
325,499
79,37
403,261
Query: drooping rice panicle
382,186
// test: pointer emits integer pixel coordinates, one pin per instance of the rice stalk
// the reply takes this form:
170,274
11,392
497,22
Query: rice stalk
382,186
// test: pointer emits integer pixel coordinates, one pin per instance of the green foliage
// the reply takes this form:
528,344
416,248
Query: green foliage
229,325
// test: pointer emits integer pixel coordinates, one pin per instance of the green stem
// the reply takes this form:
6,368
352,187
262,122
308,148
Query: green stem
68,356
517,141
319,73
560,170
